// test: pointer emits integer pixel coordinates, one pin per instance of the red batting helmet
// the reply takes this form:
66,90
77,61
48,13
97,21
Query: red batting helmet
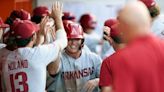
40,11
114,33
112,23
23,29
88,21
73,30
21,14
68,16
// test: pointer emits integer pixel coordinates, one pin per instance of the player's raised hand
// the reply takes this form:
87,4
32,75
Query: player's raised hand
106,35
43,25
42,32
57,10
56,13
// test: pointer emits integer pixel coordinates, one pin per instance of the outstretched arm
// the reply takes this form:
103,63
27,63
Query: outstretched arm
61,37
53,67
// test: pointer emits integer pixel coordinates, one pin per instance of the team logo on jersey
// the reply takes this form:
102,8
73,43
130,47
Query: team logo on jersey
77,74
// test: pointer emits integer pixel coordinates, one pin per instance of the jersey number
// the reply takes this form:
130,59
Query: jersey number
23,82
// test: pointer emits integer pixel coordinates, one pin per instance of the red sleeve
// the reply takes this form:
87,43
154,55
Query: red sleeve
105,74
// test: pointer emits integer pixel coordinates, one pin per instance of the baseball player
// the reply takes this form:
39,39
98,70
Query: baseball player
24,67
92,39
112,34
78,70
38,14
15,14
107,48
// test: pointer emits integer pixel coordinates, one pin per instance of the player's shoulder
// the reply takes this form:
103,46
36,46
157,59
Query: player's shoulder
119,54
90,54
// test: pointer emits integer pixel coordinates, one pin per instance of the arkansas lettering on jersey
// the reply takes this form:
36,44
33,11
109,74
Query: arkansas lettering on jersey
78,73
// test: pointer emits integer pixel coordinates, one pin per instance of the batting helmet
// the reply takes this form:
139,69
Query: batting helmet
40,11
68,16
73,30
88,21
114,33
29,28
21,14
111,23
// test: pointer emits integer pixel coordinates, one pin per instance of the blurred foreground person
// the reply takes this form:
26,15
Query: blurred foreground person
139,66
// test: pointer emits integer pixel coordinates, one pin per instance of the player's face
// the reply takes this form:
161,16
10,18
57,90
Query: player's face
73,45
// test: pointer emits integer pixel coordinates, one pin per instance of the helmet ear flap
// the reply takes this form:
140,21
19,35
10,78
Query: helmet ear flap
82,44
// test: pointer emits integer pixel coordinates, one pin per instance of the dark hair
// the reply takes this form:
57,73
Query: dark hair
154,11
13,15
23,42
13,43
117,39
36,19
9,21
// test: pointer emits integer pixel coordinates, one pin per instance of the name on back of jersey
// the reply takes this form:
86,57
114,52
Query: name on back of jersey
20,64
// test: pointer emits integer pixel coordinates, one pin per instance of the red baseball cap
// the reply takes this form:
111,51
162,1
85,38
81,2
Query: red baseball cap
23,29
112,23
22,14
40,11
2,24
88,20
149,3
